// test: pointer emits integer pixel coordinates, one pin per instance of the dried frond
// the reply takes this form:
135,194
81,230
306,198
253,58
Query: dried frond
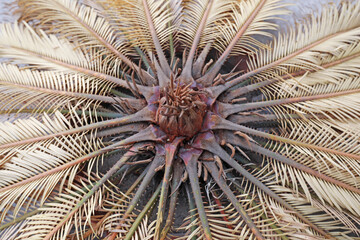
47,91
51,213
154,119
37,160
135,23
68,16
212,12
20,48
260,26
304,48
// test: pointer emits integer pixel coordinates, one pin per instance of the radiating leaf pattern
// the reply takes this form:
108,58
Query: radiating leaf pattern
215,135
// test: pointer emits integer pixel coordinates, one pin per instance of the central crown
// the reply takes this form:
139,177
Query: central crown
181,110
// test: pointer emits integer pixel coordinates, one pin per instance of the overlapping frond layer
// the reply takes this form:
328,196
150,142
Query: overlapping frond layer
81,24
340,108
134,23
267,220
329,134
37,159
145,231
25,133
342,114
331,58
52,213
52,80
218,220
194,14
314,188
12,232
46,90
43,157
32,128
341,75
20,43
342,137
261,25
303,48
340,223
323,215
340,72
13,98
177,9
116,207
260,180
226,222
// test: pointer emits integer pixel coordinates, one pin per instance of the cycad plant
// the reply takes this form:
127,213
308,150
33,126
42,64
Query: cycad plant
207,132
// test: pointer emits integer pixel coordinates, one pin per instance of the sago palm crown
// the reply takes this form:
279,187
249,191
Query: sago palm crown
216,135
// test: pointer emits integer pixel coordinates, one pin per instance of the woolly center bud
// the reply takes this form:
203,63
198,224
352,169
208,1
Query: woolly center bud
181,111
